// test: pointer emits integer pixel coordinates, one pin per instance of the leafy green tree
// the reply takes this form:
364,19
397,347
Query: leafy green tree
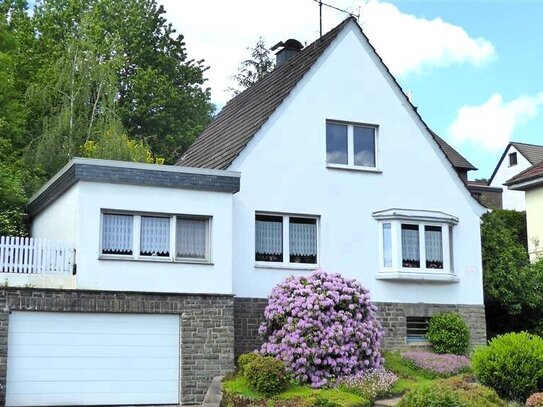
160,96
512,286
254,68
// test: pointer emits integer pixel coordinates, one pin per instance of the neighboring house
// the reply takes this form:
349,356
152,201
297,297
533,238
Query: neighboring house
164,270
487,195
516,158
340,172
530,183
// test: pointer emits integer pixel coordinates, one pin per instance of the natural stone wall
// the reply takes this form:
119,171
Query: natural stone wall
393,319
207,326
249,313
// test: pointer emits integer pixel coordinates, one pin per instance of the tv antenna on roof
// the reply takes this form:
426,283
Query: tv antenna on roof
321,3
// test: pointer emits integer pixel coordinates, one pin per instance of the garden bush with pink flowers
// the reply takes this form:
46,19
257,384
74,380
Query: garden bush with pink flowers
438,364
322,327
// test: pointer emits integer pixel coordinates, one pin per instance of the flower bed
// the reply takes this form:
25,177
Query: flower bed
369,384
442,365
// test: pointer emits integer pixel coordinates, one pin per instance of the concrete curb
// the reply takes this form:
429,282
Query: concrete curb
213,395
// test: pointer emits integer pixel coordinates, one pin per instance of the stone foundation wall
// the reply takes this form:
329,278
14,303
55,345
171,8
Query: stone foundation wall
393,319
249,313
207,326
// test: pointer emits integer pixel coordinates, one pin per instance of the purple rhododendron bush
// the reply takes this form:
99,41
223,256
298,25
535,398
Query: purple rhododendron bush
323,327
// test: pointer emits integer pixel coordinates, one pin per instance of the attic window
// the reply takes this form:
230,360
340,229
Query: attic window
351,145
512,159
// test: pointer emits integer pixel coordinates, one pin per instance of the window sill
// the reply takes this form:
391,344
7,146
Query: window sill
420,276
286,266
157,260
353,168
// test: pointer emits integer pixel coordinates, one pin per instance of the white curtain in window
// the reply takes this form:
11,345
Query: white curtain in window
303,239
268,237
191,237
410,244
434,244
117,233
155,235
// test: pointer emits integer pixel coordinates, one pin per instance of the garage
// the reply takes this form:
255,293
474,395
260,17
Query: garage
65,358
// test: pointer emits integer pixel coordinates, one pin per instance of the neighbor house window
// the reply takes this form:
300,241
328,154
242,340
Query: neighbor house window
286,239
352,145
159,237
413,240
512,159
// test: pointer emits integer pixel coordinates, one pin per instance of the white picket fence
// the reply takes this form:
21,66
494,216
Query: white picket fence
36,256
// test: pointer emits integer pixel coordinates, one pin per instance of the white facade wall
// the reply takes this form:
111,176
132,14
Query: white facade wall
155,276
284,170
511,199
59,220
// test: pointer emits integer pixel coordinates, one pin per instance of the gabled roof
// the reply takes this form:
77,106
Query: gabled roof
241,118
529,174
457,160
532,152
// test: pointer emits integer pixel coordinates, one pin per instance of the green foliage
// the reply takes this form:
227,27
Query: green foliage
448,333
453,392
512,291
245,359
511,364
258,65
266,375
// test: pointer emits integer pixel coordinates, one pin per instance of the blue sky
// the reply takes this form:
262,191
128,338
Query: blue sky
474,67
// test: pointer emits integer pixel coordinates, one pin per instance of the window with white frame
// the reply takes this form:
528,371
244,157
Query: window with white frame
416,240
146,236
286,239
351,144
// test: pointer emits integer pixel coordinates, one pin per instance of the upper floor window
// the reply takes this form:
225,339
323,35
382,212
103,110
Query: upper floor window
284,239
167,237
512,159
351,145
416,241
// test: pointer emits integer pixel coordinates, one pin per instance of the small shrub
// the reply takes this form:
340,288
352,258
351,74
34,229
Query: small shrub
511,364
452,392
448,333
535,400
441,365
245,359
369,384
266,375
323,326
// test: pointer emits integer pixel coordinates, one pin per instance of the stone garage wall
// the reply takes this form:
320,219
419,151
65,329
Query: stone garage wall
207,326
249,313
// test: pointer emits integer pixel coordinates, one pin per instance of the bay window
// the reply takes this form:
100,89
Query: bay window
286,239
155,237
415,241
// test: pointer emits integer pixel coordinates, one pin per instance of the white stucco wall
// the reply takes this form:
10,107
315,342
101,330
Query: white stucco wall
511,199
284,170
534,222
136,275
59,219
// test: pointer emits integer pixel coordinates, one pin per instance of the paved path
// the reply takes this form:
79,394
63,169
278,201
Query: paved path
387,402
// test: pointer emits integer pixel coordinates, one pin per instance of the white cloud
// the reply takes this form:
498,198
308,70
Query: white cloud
220,32
491,124
408,43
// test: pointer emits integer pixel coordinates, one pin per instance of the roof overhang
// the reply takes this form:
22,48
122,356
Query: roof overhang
415,215
130,173
525,185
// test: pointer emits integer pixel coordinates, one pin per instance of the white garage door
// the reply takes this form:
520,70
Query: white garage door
59,358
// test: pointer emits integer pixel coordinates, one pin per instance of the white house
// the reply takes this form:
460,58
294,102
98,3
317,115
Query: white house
173,263
516,158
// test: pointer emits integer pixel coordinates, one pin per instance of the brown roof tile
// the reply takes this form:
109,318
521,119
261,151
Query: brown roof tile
535,171
456,159
532,152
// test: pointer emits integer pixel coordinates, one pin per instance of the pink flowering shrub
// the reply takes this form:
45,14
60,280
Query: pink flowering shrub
369,384
535,400
442,365
323,327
